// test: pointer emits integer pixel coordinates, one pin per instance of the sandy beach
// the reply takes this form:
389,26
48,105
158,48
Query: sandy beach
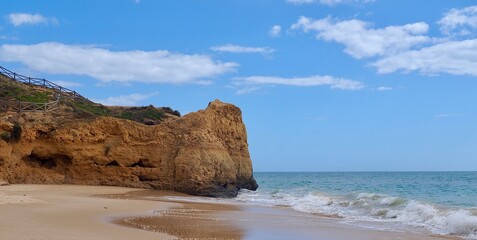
70,212
92,212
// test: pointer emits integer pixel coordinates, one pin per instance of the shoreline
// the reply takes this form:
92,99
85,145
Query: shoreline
101,212
202,220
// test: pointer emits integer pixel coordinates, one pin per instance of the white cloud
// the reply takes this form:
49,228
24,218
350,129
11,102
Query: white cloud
328,2
125,100
116,66
334,83
18,19
275,31
458,21
361,41
454,57
68,84
241,49
407,47
384,88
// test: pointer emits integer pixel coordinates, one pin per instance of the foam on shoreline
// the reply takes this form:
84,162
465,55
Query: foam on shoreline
92,212
200,217
372,210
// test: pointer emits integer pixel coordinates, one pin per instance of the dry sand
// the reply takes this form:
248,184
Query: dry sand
63,212
89,212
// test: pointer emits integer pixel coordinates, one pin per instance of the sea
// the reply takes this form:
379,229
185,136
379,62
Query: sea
443,203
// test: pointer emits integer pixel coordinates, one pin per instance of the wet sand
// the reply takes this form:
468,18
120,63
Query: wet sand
89,212
194,220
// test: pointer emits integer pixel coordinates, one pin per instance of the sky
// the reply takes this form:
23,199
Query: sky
324,85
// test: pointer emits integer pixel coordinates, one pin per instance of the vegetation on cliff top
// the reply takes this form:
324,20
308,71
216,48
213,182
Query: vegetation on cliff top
82,108
148,115
11,90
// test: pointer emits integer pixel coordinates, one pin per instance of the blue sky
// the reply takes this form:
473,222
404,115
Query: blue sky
324,85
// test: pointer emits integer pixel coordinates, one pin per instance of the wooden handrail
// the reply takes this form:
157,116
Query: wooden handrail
19,106
65,92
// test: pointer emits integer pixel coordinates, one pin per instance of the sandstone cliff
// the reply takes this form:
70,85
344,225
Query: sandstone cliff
201,153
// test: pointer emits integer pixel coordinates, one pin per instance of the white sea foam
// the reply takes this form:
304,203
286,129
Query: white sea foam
366,207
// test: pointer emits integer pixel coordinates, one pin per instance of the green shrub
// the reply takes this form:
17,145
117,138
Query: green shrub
177,113
127,115
153,113
171,111
139,114
37,97
10,89
5,136
92,108
16,134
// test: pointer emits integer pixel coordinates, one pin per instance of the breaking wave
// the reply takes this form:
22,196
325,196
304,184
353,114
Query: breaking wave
374,207
369,207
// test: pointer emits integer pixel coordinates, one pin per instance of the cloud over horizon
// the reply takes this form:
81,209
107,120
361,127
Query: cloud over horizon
159,66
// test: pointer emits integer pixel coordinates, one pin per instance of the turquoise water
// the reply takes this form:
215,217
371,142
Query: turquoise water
441,202
452,189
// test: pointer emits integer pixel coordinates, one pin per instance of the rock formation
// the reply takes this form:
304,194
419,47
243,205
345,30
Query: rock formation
202,153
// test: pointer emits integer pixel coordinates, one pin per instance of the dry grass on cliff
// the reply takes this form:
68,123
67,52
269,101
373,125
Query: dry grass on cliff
82,108
11,90
148,115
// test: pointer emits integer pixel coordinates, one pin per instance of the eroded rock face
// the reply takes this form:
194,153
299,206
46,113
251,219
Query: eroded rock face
202,153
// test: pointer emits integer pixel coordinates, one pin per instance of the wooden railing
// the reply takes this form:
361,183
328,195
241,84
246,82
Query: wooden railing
19,106
63,92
